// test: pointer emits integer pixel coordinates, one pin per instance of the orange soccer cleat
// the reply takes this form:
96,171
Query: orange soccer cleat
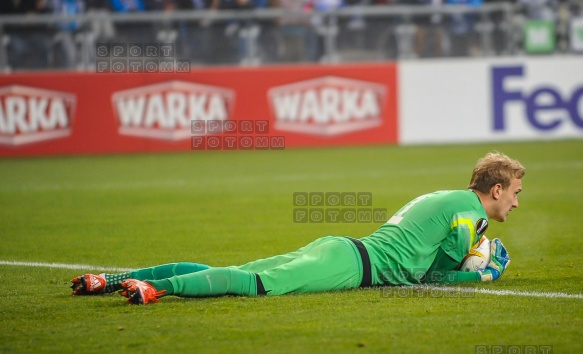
88,284
140,292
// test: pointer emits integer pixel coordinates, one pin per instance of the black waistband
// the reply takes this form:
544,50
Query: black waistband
366,270
260,287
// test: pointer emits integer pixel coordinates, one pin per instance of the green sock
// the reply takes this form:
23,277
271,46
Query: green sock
113,281
163,284
214,282
165,271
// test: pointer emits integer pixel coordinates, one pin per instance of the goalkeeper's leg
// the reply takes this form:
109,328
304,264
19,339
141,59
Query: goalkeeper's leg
211,282
333,265
89,284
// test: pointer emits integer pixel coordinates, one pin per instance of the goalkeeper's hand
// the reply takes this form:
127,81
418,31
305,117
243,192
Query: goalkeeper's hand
499,260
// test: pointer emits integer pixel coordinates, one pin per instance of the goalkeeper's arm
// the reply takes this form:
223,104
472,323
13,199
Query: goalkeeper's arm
452,277
499,261
441,271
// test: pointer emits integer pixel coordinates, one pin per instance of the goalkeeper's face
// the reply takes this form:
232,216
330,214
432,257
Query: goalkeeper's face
507,199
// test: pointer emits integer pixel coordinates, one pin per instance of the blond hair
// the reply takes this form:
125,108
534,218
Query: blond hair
495,168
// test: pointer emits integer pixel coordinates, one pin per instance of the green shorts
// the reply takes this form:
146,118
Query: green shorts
328,263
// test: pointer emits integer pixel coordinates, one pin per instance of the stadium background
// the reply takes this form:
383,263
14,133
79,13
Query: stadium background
98,169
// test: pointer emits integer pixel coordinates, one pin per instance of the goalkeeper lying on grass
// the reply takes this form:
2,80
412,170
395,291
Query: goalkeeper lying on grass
424,242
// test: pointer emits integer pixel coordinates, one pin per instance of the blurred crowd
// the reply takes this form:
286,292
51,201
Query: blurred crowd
299,36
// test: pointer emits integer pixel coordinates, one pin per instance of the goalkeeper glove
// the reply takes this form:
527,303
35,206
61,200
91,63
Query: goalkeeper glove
499,260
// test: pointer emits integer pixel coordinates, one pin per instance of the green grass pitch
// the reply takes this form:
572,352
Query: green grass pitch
224,208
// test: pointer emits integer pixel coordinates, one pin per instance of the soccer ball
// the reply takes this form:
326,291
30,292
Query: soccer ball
478,258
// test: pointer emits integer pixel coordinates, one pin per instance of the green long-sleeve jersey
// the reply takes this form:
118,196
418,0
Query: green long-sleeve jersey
426,239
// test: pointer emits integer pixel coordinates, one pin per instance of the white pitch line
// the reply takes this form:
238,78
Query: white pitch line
65,266
466,290
530,293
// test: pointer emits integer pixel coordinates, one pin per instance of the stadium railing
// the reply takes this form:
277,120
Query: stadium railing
267,36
